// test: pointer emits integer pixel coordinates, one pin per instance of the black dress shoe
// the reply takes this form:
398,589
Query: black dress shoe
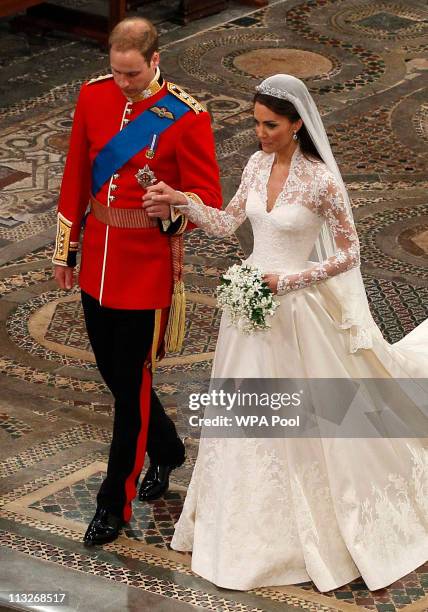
103,528
156,481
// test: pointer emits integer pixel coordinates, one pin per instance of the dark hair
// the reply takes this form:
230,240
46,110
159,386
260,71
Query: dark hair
287,109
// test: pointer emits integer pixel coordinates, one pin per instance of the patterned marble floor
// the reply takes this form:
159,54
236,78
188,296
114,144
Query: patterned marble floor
366,64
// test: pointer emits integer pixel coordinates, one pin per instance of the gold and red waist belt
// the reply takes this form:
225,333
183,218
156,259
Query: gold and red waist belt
128,218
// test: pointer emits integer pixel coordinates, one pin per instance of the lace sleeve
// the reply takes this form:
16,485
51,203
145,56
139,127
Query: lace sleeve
330,204
214,221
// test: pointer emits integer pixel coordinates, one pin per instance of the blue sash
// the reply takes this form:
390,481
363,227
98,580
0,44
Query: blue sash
132,139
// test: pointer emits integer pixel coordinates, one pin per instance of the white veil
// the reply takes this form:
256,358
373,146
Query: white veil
348,287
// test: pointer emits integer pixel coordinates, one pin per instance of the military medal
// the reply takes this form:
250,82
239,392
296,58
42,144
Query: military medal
150,153
146,177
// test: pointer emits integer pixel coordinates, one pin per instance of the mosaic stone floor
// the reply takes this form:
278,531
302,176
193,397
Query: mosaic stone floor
366,64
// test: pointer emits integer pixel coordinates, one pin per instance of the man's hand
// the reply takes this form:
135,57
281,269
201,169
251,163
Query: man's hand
64,276
159,198
272,281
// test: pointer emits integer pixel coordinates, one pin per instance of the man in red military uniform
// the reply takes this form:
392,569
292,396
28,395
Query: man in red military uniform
132,129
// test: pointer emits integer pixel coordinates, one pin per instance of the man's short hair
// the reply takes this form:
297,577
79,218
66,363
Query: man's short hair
135,33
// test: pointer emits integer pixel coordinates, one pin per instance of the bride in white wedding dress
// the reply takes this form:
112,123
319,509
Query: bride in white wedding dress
278,511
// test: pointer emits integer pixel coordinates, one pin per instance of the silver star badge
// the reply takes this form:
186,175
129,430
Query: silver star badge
146,177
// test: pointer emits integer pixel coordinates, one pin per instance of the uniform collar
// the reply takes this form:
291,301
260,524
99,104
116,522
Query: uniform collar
153,88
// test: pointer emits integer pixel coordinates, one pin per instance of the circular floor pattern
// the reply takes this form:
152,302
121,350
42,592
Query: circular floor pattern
420,120
367,65
414,240
59,141
384,20
302,64
51,326
389,240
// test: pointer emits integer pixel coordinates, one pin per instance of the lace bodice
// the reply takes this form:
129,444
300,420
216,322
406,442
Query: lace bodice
285,236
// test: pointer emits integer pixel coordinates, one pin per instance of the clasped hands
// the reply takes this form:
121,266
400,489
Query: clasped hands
159,198
157,202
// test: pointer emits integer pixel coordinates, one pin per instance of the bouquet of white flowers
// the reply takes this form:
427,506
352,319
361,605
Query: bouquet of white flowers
247,298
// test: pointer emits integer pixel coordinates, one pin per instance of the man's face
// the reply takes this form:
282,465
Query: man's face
130,70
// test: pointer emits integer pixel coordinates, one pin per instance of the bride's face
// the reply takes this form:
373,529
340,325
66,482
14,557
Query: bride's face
275,132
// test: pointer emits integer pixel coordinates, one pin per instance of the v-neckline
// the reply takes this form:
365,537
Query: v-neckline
269,172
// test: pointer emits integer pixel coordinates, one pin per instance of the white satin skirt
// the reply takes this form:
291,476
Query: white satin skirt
280,511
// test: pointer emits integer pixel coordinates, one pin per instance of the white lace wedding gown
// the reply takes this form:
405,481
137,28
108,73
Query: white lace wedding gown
265,512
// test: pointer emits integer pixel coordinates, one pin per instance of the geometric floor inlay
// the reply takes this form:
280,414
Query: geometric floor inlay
396,307
409,589
386,21
151,523
14,427
167,588
71,503
66,326
50,447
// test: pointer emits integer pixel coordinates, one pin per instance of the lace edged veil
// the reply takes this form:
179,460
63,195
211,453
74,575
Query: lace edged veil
348,287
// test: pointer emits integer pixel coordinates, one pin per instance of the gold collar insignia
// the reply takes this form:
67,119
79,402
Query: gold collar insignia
151,90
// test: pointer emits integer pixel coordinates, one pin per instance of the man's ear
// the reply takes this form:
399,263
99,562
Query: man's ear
154,62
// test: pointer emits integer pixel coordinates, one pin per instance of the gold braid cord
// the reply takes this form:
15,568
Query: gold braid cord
174,334
177,315
156,334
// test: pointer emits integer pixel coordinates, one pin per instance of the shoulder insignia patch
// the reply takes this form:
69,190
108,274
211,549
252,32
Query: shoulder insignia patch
103,77
176,90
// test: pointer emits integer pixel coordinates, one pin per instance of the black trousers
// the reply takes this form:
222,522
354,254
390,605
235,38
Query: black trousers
121,340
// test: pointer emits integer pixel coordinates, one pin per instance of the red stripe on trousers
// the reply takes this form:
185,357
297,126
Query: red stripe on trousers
145,396
145,399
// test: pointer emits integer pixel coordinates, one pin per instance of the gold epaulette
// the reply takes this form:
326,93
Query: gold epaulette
97,79
186,98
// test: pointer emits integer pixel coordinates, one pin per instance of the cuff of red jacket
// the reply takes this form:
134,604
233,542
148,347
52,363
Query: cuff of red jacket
65,253
177,222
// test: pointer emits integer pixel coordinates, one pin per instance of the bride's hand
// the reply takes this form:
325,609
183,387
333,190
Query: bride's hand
272,281
158,199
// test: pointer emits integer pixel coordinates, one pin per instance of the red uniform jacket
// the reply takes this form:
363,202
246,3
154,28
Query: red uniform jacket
130,268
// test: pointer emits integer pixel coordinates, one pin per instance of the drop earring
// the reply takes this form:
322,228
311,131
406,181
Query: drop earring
295,137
